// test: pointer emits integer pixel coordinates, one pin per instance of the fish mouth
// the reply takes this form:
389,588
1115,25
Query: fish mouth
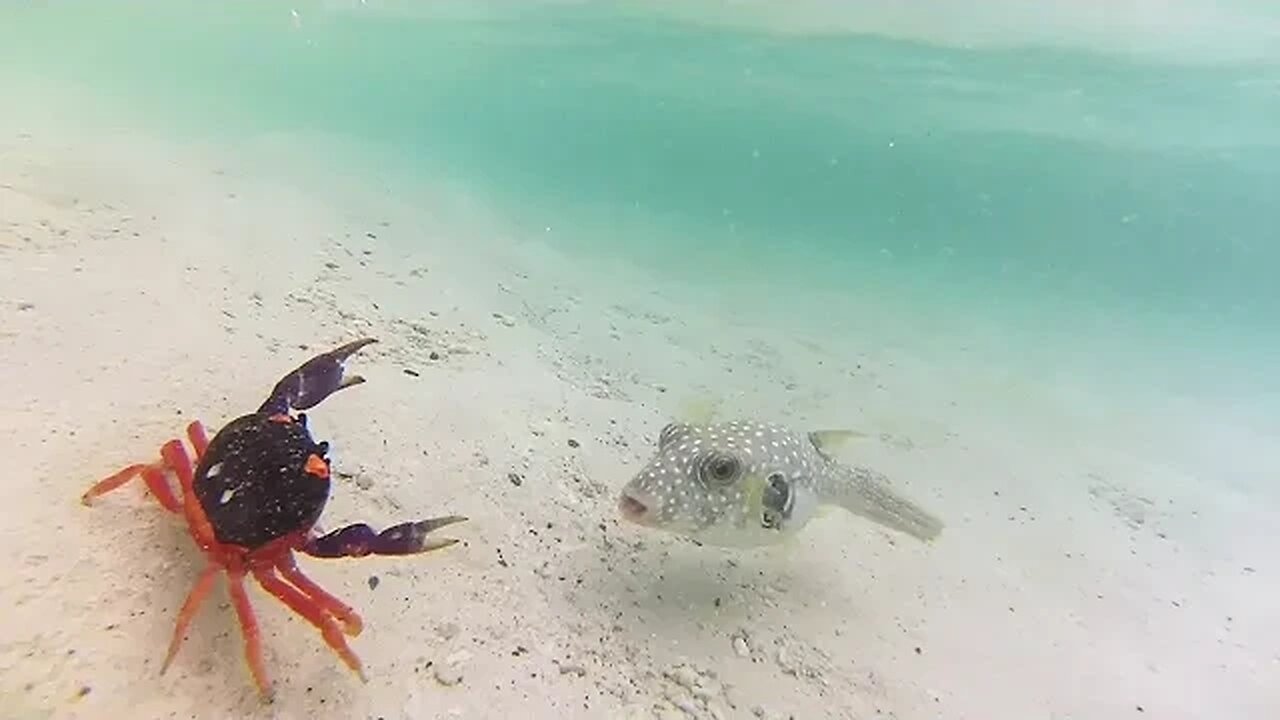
632,508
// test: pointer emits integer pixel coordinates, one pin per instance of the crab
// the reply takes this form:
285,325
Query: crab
251,498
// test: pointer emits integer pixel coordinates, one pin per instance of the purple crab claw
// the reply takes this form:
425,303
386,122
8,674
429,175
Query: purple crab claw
314,380
404,539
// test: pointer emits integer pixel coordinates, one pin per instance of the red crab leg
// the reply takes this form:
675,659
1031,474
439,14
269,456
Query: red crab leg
152,475
199,438
201,530
172,457
108,484
350,619
198,593
314,614
248,628
158,484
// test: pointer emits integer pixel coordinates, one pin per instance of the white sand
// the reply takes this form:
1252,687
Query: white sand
1084,573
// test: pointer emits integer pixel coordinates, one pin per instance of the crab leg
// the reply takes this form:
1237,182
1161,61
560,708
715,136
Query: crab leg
314,614
198,437
314,380
352,624
248,628
359,540
153,474
198,593
176,458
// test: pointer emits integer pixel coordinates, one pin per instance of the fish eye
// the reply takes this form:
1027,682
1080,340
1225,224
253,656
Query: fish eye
720,469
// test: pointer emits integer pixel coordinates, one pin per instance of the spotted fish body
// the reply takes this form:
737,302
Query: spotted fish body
746,483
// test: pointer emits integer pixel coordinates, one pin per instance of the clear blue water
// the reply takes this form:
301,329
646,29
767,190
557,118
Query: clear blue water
1027,181
1102,192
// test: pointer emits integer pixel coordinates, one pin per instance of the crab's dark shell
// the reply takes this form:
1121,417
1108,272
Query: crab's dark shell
252,481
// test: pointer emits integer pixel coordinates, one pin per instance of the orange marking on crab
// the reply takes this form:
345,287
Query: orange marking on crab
317,467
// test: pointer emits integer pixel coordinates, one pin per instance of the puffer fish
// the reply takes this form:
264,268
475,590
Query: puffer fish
745,483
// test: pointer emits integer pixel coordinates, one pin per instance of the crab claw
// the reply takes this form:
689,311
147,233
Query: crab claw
404,539
314,380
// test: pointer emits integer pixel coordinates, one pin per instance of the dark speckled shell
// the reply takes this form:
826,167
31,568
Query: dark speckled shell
260,490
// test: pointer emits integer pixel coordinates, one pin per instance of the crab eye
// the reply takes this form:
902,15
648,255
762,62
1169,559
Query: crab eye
719,469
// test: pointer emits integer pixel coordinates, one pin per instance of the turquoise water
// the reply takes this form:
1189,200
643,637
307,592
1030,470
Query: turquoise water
1031,182
1089,189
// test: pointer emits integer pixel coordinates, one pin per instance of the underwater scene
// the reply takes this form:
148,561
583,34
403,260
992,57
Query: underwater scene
678,360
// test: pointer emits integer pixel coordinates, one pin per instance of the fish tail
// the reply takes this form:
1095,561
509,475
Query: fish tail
867,493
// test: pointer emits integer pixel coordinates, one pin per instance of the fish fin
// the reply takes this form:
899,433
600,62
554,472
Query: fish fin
828,441
699,409
692,411
835,438
868,494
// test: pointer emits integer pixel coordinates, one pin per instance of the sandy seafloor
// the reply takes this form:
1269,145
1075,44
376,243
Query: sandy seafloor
1093,566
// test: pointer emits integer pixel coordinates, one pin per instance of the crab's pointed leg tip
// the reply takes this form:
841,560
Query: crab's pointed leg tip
266,692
